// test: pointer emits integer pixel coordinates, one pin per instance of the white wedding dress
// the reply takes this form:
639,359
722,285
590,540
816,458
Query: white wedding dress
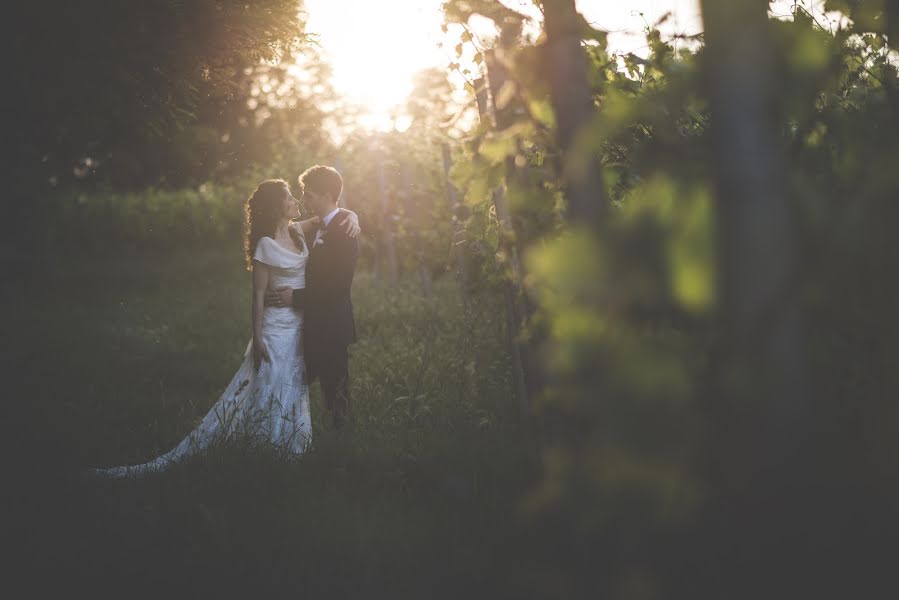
269,405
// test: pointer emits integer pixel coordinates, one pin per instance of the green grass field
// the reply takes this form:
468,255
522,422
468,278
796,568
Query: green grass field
118,357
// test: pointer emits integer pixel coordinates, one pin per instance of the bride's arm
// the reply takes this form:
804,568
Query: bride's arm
351,225
260,283
308,226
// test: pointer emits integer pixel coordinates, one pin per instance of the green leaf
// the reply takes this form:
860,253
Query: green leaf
497,149
505,95
542,111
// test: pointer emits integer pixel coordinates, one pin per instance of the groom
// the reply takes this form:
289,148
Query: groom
328,325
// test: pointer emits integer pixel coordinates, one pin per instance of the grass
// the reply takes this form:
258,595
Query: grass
117,357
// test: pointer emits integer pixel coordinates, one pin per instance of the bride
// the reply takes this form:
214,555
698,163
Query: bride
268,398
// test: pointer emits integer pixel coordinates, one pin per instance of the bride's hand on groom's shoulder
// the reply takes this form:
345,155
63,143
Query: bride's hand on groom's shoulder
351,224
260,353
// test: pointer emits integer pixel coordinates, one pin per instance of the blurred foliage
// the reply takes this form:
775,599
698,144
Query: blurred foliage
634,455
131,93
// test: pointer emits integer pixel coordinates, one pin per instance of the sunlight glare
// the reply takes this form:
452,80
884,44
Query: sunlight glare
375,48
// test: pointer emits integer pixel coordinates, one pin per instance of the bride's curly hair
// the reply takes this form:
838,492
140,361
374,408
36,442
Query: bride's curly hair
263,210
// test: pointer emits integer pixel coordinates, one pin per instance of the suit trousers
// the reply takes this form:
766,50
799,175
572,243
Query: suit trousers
333,374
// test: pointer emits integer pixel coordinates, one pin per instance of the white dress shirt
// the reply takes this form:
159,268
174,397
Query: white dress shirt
325,220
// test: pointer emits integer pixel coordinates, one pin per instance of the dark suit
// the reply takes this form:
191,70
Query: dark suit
328,324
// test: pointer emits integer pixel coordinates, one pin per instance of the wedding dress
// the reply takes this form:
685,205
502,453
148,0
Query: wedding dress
269,405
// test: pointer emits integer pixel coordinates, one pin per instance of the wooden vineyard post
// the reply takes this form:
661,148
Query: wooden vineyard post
565,66
498,79
512,289
757,264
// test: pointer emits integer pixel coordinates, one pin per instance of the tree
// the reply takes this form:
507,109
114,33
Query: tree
95,79
565,69
757,262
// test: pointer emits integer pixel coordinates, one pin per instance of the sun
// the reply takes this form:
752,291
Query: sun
375,48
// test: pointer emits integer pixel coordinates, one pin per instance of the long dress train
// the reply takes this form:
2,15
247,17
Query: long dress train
271,404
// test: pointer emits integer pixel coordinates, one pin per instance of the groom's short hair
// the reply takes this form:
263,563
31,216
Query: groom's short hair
321,180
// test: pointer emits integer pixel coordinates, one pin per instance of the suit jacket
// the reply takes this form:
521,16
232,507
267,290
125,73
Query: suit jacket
325,301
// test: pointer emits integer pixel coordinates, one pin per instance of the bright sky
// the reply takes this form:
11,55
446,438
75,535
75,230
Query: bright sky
375,48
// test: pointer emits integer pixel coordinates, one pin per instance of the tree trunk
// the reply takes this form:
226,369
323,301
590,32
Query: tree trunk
762,463
565,67
526,368
757,266
497,76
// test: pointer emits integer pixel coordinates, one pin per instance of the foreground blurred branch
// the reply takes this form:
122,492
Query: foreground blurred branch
761,374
